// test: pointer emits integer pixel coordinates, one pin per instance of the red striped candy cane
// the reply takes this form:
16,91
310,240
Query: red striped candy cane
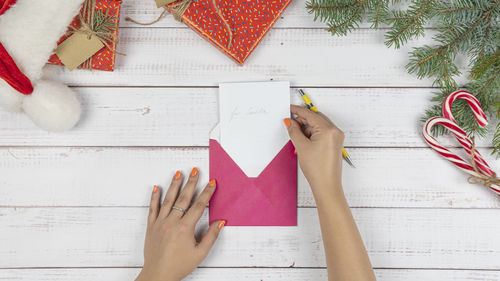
471,100
478,112
450,124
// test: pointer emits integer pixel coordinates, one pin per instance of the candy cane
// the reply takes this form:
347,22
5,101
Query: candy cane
450,124
471,100
457,131
478,112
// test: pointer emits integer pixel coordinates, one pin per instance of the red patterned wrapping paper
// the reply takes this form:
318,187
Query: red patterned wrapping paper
249,20
104,59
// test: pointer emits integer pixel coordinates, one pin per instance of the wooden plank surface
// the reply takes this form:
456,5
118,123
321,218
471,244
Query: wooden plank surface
244,274
306,57
394,238
370,117
410,177
75,201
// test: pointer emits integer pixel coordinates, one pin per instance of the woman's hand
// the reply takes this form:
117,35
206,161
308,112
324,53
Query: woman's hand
171,251
319,148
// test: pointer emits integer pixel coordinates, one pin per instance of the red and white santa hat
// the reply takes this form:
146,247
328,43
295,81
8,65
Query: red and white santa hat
12,74
5,5
29,31
8,68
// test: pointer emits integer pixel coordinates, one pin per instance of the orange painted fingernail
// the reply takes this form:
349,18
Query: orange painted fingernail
212,182
221,224
287,122
194,172
155,188
177,175
295,152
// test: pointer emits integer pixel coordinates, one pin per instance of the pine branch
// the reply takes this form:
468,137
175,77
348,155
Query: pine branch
341,15
378,12
496,141
409,24
488,85
381,5
348,24
485,40
316,7
427,61
461,9
467,27
103,22
482,66
438,61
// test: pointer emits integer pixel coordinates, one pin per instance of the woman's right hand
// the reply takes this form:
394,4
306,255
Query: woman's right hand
318,143
319,148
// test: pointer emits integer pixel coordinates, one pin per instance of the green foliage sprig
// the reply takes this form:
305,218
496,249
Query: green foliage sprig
468,27
103,22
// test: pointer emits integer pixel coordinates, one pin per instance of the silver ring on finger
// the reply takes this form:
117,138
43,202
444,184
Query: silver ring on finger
179,209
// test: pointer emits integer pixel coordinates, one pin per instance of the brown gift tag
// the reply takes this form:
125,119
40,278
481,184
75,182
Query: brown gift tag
78,48
161,3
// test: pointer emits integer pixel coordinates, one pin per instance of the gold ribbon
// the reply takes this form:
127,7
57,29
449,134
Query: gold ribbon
481,178
87,27
178,9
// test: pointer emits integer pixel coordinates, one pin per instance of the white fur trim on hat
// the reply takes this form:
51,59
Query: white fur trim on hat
10,99
52,106
29,31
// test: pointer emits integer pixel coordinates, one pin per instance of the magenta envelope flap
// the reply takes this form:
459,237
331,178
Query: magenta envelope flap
267,200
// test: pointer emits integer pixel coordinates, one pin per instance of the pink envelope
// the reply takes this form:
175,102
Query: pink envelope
267,200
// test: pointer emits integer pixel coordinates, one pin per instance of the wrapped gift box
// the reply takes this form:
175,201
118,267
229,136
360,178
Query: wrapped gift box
104,59
249,21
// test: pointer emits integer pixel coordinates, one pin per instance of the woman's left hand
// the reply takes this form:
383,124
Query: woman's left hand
171,251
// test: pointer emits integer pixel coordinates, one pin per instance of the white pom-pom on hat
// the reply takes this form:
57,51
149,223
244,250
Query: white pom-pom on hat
52,106
10,99
24,52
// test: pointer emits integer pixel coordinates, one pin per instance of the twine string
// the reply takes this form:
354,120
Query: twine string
178,9
481,178
226,24
148,23
87,27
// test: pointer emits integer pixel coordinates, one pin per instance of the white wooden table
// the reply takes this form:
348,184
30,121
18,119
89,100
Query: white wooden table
73,206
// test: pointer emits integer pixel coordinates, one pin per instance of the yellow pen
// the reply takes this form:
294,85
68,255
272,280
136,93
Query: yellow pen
313,108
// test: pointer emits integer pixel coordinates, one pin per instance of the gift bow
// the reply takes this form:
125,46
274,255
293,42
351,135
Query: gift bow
86,19
478,170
